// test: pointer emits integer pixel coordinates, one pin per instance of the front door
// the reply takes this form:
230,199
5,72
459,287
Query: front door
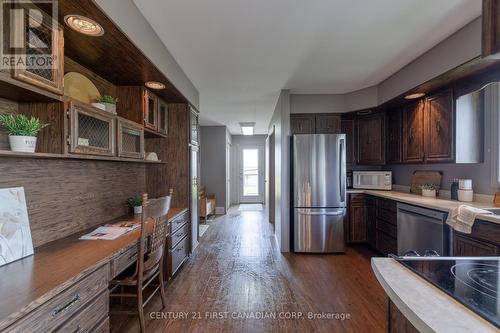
251,174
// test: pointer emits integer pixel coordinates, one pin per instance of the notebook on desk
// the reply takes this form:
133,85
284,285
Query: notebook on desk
110,232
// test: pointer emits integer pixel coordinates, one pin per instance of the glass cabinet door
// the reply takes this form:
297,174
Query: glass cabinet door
130,139
195,140
92,131
162,117
150,110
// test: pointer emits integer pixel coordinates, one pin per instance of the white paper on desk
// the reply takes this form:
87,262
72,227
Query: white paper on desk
106,233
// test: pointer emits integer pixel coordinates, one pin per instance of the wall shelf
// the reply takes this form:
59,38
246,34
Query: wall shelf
7,153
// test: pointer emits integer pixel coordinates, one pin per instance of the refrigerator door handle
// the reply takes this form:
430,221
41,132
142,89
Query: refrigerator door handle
342,174
306,212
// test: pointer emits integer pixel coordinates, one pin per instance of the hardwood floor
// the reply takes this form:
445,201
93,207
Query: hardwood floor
238,270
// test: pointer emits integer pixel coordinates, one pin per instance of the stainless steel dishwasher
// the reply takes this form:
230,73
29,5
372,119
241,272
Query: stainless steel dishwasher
422,230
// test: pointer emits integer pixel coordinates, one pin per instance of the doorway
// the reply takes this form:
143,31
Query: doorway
271,182
251,161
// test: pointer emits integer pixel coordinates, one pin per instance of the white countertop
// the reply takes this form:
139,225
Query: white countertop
432,203
428,308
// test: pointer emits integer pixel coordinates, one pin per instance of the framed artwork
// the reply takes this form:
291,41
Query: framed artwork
15,234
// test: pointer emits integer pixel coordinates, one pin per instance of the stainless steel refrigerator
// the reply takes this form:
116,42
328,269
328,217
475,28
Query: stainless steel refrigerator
319,192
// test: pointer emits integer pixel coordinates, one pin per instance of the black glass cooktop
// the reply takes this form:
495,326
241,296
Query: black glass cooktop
473,282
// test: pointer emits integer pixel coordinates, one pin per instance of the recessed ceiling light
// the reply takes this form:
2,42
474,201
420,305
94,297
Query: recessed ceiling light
154,85
247,128
414,95
84,25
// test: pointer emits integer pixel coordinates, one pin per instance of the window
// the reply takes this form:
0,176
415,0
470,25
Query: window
250,172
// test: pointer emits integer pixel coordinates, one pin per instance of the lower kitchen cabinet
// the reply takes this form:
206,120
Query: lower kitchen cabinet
357,218
371,221
484,240
397,322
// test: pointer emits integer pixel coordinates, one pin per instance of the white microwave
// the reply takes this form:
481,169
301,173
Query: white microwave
372,180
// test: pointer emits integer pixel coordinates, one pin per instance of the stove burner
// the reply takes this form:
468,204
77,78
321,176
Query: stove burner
480,277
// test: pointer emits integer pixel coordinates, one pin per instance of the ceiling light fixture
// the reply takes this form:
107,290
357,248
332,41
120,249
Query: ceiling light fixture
414,95
84,25
247,128
154,85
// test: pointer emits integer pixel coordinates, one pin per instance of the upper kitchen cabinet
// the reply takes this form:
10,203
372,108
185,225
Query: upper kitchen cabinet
394,136
45,43
371,139
347,126
413,133
162,117
302,123
327,123
195,127
490,28
150,110
438,135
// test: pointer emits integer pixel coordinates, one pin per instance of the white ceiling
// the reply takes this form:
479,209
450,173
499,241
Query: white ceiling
240,53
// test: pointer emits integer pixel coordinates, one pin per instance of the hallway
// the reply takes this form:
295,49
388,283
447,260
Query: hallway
238,271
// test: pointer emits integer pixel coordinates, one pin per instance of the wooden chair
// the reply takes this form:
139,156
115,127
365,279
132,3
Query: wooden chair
207,204
149,265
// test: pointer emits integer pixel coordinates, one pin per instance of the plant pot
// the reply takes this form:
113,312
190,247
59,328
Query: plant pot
109,107
137,210
20,143
99,106
429,193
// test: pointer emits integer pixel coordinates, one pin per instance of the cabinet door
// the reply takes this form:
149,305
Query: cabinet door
371,218
470,247
413,133
327,124
357,220
302,124
347,127
439,127
150,110
130,141
371,139
162,117
394,134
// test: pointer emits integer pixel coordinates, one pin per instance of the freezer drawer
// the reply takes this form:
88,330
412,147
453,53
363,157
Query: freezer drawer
319,229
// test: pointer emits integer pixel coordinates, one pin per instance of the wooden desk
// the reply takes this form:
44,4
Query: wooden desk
28,284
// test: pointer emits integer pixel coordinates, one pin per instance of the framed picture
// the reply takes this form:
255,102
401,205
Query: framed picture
15,234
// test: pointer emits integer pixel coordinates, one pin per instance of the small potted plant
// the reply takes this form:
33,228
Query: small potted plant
429,190
135,203
22,131
109,103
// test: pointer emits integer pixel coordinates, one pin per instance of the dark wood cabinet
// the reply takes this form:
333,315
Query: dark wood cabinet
490,41
439,127
470,247
357,218
371,139
397,322
347,126
413,133
394,136
162,117
371,219
328,124
150,110
302,123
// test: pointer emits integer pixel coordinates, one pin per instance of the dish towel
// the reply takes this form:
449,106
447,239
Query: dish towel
462,218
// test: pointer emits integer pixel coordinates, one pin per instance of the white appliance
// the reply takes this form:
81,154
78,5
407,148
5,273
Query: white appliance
372,180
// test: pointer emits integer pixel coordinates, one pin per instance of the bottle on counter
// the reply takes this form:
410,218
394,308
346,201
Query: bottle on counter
454,189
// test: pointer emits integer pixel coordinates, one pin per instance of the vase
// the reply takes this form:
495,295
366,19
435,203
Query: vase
21,143
137,210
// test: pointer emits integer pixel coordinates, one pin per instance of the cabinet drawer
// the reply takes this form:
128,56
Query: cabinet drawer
357,199
63,306
387,216
386,244
89,317
178,254
387,227
177,222
389,205
123,261
178,235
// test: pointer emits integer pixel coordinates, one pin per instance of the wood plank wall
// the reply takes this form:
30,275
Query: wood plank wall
67,196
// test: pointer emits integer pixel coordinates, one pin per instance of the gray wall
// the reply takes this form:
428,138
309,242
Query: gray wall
280,121
213,161
131,21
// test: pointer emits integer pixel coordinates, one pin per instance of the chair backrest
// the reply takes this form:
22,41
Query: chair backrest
153,211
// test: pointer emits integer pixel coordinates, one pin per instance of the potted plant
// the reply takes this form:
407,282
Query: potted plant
109,103
22,131
429,190
135,202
